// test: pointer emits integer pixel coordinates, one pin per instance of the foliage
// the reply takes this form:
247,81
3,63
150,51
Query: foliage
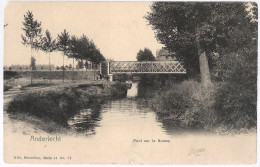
7,87
97,57
228,34
145,55
33,63
10,74
236,99
57,106
47,44
60,104
32,29
84,49
79,65
63,42
188,27
187,105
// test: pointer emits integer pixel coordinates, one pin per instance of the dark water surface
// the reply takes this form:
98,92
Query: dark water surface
128,114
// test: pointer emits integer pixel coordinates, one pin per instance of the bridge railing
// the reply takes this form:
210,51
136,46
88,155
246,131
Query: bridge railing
116,67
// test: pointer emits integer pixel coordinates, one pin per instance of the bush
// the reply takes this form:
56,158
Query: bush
118,89
60,104
10,74
236,99
7,87
57,106
186,104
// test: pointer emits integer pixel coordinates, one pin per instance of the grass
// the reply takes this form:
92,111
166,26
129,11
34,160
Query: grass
37,85
190,106
46,75
59,104
186,104
7,87
44,124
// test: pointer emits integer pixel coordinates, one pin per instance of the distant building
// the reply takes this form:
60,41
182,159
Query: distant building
164,54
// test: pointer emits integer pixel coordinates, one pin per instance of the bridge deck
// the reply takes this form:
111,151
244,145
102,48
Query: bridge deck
159,67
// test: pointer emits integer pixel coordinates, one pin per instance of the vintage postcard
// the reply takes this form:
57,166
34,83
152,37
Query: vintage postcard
130,82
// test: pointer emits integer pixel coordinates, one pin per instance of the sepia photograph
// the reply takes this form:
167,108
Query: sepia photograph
143,83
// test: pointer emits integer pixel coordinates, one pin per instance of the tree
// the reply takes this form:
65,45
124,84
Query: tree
63,45
80,64
33,63
48,45
145,55
97,57
221,37
199,32
32,29
236,99
184,28
74,48
84,49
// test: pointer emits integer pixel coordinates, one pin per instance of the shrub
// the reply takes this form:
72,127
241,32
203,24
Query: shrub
10,74
236,99
57,106
118,89
60,104
187,104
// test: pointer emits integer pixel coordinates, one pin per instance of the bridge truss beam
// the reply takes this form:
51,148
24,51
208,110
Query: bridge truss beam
143,67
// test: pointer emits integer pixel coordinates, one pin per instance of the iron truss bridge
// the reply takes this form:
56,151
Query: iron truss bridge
141,67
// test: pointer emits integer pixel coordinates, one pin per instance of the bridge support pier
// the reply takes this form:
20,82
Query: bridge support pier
110,77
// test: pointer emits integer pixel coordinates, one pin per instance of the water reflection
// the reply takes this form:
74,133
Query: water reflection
86,120
127,118
125,115
133,91
146,89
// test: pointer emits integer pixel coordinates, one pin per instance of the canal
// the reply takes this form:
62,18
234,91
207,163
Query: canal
126,131
131,116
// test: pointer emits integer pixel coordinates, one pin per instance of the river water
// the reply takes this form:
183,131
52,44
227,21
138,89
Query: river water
131,115
125,131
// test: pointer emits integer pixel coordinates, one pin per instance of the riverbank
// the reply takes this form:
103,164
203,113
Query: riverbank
47,78
110,132
49,108
189,105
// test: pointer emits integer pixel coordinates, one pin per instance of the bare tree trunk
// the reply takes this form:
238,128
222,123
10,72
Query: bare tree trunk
73,76
203,61
31,65
204,69
63,68
73,65
94,73
50,65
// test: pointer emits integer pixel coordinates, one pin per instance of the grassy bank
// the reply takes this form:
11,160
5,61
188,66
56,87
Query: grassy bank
59,104
190,106
76,75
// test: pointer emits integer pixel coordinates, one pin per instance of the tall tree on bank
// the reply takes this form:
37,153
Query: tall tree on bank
193,30
32,29
145,55
236,67
84,49
74,47
63,46
48,45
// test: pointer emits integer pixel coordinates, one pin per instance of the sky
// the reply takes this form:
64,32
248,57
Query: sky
119,29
